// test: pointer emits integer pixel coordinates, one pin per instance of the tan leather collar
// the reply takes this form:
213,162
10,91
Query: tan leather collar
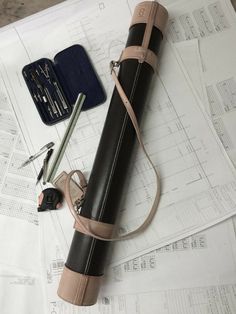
142,13
141,54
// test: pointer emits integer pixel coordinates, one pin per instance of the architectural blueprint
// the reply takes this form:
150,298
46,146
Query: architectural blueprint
20,267
177,265
198,180
193,275
214,26
17,191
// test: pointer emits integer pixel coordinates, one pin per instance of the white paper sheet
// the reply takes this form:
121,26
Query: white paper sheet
206,258
211,299
220,84
32,41
213,23
18,212
195,268
189,54
179,138
199,19
172,215
20,293
21,289
207,300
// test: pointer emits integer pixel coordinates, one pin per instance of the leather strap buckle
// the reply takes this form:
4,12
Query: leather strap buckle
114,64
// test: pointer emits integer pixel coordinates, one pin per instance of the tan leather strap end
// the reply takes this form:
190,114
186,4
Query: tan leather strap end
77,190
141,54
97,229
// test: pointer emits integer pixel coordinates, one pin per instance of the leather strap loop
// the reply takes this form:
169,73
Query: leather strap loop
83,224
105,230
141,54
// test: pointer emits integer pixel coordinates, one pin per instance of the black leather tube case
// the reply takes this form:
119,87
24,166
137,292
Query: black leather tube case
86,260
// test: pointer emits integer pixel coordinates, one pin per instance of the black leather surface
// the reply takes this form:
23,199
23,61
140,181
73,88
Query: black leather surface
87,255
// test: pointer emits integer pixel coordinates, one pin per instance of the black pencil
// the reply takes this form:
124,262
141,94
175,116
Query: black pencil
45,162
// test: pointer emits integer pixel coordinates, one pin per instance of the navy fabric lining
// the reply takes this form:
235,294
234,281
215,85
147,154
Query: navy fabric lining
76,74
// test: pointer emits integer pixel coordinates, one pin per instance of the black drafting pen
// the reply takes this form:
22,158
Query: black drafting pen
45,162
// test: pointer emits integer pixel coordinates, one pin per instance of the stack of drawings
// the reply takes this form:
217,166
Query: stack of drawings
185,262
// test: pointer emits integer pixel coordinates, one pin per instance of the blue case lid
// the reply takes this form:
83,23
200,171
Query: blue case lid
76,74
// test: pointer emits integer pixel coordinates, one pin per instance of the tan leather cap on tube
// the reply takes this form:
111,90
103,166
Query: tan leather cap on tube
142,12
78,289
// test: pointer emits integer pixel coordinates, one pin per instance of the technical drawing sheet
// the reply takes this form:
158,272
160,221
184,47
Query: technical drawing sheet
212,253
189,54
21,292
214,203
21,289
214,26
171,267
191,265
193,275
199,19
198,179
221,87
18,212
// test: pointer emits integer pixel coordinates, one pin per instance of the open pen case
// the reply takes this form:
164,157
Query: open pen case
55,85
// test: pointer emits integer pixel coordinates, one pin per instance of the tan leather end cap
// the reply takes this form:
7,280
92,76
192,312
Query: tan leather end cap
77,288
142,12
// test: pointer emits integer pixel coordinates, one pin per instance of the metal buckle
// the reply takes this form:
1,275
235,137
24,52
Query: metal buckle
114,64
78,204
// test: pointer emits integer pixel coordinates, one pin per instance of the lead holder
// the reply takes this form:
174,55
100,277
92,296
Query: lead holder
95,221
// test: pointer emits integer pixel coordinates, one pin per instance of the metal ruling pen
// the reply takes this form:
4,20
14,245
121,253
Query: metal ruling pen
74,117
